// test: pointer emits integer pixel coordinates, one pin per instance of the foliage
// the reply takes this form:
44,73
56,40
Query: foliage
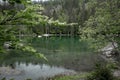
17,1
20,16
77,11
56,27
23,17
101,73
99,16
103,26
29,15
70,77
63,10
98,19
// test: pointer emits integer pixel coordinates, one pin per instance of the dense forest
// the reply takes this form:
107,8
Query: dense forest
94,21
95,18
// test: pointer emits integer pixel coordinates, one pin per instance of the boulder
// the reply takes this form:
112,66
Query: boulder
109,50
7,45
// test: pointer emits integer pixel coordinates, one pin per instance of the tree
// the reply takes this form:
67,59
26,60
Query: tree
28,14
22,12
104,24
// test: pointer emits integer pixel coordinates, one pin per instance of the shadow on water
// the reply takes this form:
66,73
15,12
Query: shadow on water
65,55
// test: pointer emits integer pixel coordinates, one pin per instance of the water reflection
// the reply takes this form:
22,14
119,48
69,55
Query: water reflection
35,72
65,55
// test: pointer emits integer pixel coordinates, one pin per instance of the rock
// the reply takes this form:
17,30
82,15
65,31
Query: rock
115,53
116,73
7,45
66,73
9,71
109,50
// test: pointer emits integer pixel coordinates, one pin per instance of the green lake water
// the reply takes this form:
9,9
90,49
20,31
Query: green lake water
66,55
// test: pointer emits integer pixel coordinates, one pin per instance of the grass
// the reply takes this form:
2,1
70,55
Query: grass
71,77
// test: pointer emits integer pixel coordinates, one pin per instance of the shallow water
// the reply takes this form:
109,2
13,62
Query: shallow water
65,56
35,72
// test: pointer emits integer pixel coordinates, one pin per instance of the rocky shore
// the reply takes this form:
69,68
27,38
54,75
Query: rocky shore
9,71
110,53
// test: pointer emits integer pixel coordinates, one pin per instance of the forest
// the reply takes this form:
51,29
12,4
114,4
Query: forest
59,39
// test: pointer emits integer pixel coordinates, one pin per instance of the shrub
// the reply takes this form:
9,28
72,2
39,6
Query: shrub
101,72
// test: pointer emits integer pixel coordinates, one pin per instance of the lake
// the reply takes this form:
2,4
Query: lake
66,55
